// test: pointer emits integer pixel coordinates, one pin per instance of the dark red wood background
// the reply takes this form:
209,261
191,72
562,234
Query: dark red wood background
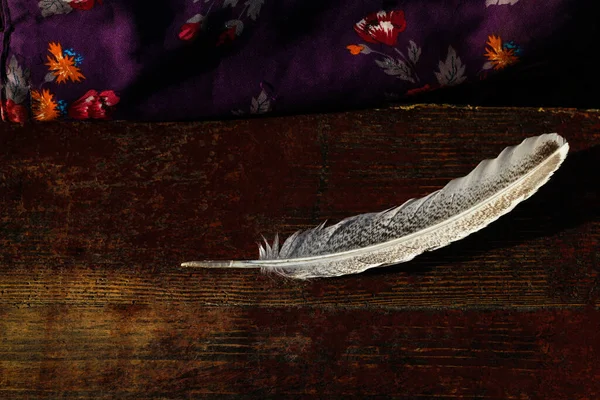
95,219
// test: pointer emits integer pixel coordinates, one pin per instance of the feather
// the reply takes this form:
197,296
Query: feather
463,206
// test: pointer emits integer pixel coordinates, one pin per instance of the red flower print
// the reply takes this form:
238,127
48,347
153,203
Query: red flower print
13,112
233,28
227,36
83,4
382,27
190,29
94,105
422,89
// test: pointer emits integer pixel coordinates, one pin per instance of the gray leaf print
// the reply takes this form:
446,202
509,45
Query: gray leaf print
452,71
500,2
239,26
254,7
488,65
53,7
260,104
17,81
397,68
414,52
50,77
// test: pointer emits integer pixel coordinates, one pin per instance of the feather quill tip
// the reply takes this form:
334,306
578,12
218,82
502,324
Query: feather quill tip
207,264
219,264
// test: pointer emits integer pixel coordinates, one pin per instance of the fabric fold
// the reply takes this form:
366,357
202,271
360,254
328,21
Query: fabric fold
196,59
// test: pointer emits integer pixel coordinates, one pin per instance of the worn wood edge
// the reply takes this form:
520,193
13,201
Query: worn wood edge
588,112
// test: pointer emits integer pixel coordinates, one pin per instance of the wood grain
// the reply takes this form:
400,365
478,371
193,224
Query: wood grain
96,218
231,352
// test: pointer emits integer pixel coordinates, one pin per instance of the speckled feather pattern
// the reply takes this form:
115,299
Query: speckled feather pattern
397,235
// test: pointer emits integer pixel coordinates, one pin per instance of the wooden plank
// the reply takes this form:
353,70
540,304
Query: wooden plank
175,352
102,214
95,219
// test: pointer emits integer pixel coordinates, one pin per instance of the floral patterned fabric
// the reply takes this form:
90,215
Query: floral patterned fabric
196,59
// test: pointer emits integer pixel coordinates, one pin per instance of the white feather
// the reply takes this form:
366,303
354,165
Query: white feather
399,234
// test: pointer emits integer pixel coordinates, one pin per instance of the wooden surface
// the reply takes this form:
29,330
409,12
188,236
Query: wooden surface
95,219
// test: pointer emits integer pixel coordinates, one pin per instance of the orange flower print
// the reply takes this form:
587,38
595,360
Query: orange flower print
43,105
356,49
500,55
64,64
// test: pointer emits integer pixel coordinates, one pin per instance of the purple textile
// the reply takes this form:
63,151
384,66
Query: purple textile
195,59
